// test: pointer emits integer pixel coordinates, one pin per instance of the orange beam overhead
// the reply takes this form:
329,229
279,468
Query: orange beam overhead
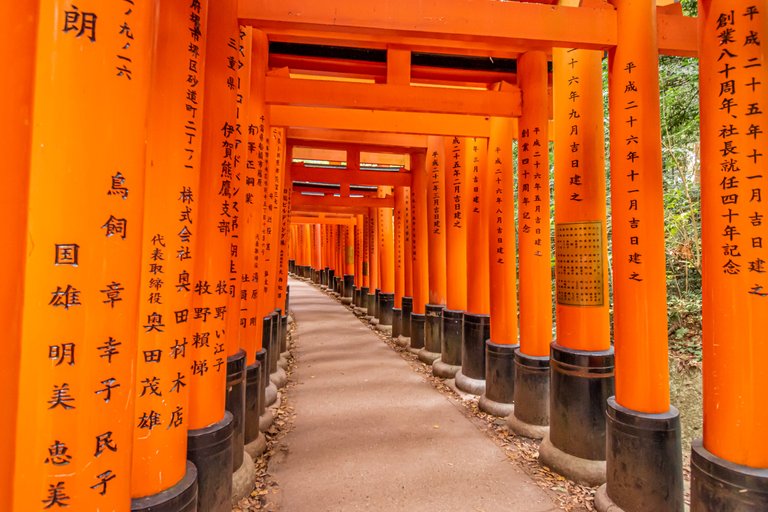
455,26
300,172
333,221
301,201
401,98
367,141
379,121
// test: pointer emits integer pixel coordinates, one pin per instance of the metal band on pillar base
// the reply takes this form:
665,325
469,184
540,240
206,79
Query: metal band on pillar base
235,404
722,486
433,333
499,393
182,497
451,342
645,462
530,417
397,322
349,286
418,334
405,322
255,442
581,383
210,450
471,377
276,374
386,304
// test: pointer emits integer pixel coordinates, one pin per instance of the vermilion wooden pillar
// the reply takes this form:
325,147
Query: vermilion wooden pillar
478,214
19,25
436,249
167,261
386,262
373,262
419,255
500,200
401,198
359,225
79,312
455,204
730,466
639,414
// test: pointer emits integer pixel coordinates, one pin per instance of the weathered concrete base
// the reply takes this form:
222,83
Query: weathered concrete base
444,370
469,385
282,362
403,341
361,311
425,356
494,408
603,502
583,471
244,479
256,447
414,350
270,394
266,420
374,321
524,429
386,329
346,301
279,378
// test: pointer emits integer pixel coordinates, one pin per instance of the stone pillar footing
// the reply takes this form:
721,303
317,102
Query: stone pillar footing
469,385
717,484
427,357
499,393
243,479
444,370
644,465
279,378
256,447
235,404
210,450
403,341
418,322
181,497
582,471
521,428
530,417
270,394
266,420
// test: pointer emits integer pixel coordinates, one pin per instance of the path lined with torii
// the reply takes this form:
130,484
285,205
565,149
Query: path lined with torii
371,434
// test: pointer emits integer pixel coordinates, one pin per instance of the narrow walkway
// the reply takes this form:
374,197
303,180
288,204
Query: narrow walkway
371,434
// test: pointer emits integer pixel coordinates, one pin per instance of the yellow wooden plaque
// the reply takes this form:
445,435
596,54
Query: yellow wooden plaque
579,263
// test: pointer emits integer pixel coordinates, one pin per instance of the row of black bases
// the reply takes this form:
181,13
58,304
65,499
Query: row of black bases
220,468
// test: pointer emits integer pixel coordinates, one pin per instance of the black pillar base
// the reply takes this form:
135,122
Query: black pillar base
254,394
274,341
371,305
364,293
645,461
210,450
722,486
531,412
283,333
348,287
580,384
471,377
433,333
181,497
499,393
263,359
377,302
386,303
397,322
451,339
405,322
292,266
235,404
418,326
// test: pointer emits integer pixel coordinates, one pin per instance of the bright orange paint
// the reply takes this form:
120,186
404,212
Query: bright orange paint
501,225
401,197
285,219
172,185
408,244
373,219
359,250
386,245
477,214
640,305
18,23
582,296
419,232
735,292
83,236
456,219
436,215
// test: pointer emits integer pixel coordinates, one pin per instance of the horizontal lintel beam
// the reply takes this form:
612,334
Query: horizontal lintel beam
333,221
300,172
300,201
366,141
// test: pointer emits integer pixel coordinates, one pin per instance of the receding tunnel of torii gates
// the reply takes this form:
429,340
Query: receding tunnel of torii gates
216,212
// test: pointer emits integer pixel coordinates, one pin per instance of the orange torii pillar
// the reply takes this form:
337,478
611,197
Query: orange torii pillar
161,477
419,254
251,333
433,328
730,465
386,264
211,426
406,307
77,321
452,346
359,243
499,328
292,251
18,24
401,199
349,264
282,295
581,356
317,260
366,266
373,265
